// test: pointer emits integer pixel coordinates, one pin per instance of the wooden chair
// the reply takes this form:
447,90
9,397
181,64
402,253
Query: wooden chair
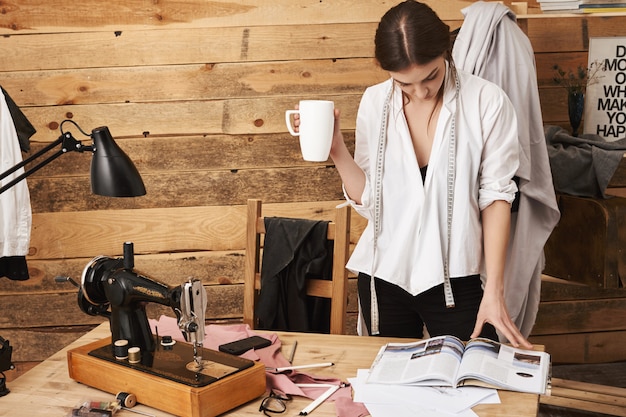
335,289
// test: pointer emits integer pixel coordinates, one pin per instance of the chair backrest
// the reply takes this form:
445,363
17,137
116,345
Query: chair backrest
336,289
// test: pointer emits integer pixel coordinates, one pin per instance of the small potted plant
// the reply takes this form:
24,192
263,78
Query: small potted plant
575,83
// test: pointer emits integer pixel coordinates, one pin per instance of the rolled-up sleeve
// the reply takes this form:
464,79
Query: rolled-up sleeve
501,151
366,200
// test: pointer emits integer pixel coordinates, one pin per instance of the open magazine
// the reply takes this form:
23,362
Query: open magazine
447,361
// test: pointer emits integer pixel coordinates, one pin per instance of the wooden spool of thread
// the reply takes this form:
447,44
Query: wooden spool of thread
120,349
134,355
126,399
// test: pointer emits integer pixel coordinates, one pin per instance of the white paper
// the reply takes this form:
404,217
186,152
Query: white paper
386,410
417,400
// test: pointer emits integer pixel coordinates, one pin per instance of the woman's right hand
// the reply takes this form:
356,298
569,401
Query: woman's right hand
296,119
338,145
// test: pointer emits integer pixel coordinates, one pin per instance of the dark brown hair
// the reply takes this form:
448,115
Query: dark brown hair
411,33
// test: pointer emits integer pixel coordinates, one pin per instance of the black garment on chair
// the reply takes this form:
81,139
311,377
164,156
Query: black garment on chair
294,249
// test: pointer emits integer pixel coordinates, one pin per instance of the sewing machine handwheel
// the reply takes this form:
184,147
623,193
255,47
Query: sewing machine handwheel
92,278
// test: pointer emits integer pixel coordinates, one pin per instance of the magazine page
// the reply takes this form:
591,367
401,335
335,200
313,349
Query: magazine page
504,366
433,361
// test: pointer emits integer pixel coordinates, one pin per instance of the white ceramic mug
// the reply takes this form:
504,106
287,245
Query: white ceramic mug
317,122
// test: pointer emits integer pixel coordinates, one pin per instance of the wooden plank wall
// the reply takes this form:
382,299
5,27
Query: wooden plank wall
195,93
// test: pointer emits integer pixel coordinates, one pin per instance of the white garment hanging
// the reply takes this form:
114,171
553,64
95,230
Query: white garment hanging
491,45
15,209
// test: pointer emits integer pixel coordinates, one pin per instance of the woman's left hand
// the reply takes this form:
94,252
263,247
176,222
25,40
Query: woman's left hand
493,310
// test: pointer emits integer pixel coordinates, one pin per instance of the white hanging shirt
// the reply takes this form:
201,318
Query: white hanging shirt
413,236
15,209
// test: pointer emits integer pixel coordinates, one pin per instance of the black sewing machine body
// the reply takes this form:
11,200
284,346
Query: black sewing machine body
108,283
111,288
207,382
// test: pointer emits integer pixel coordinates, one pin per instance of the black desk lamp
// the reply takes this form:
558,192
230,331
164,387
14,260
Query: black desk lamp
113,174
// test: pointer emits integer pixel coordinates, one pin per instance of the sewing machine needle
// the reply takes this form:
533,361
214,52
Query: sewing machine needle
197,359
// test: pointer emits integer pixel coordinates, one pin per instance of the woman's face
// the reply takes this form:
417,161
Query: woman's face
422,82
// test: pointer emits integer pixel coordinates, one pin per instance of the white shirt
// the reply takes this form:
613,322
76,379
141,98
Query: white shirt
412,240
15,210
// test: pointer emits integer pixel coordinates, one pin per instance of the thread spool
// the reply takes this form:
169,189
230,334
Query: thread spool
120,349
134,355
126,399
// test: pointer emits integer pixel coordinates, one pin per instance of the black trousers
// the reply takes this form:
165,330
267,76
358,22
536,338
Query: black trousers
404,315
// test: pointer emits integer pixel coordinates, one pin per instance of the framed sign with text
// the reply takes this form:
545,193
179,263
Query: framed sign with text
605,100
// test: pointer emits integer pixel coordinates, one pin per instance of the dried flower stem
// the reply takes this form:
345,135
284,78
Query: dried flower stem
577,81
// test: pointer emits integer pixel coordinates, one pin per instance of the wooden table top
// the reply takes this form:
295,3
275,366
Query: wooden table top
48,390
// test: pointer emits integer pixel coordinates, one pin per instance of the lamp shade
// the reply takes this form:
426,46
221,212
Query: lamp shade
113,174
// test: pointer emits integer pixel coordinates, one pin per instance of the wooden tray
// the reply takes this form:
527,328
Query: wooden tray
163,393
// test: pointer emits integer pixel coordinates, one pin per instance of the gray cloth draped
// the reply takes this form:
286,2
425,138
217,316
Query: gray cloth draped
491,45
582,166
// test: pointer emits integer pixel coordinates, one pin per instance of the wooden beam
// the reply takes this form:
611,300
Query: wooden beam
211,188
184,229
189,82
585,396
33,16
590,347
234,117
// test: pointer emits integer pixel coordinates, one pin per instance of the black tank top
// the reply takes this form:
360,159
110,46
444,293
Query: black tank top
423,171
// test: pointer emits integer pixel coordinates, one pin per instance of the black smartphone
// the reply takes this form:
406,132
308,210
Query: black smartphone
241,346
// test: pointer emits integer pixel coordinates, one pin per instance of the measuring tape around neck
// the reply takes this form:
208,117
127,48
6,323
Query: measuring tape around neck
450,179
447,286
378,179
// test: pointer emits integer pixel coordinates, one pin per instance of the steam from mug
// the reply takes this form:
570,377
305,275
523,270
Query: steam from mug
317,122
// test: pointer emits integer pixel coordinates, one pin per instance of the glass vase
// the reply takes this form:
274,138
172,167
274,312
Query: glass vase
575,107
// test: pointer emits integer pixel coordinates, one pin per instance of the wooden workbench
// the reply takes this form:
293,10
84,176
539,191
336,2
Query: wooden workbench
48,390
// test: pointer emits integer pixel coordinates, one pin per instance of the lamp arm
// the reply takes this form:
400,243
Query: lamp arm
69,144
30,171
30,159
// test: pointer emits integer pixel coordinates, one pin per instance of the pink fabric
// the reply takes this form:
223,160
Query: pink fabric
345,407
272,357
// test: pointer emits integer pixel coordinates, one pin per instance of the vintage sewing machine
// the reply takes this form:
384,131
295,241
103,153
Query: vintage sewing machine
181,378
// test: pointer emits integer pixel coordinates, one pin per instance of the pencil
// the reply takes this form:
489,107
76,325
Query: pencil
319,400
312,365
293,351
304,385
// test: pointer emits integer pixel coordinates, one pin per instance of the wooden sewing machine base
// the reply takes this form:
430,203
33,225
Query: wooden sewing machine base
165,393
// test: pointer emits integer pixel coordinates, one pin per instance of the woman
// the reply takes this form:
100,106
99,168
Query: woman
436,151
